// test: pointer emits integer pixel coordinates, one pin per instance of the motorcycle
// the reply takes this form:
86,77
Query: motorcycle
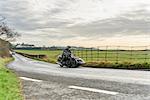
71,62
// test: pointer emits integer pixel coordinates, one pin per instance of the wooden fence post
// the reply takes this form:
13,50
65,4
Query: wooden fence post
97,53
78,53
82,54
86,55
145,59
106,51
91,55
117,54
131,53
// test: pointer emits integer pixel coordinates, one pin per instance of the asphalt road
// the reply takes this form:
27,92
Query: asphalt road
45,81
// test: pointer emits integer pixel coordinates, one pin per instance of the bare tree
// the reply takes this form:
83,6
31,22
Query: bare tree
7,33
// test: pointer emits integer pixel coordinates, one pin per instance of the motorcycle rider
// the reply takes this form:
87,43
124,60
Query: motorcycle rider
66,54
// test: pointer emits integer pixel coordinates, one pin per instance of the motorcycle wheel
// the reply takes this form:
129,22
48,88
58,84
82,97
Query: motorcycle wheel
61,65
68,64
74,63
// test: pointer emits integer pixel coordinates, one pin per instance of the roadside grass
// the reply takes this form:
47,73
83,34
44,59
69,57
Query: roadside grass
123,65
51,55
9,83
124,60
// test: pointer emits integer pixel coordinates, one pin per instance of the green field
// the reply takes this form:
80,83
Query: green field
9,83
98,56
51,55
101,59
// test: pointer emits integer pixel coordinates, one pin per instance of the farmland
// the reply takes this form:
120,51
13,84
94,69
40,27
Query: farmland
136,59
98,56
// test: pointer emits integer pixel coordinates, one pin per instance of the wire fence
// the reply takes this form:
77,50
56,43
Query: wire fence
115,54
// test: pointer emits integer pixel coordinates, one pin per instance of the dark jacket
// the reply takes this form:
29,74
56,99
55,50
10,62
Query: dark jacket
67,52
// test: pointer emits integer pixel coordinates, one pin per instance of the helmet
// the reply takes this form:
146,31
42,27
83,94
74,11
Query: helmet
68,47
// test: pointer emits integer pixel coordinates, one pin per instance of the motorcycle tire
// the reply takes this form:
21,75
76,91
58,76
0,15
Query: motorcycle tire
74,63
68,64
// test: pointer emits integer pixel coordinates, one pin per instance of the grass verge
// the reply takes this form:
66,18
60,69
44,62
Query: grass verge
123,65
9,83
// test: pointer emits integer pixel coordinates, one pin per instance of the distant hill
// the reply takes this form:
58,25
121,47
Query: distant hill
4,48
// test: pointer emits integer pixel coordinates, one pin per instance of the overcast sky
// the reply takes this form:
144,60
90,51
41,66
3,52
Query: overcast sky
79,22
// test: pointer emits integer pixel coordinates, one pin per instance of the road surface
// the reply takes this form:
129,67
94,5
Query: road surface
45,81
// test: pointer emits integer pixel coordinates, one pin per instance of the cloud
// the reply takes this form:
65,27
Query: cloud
131,23
78,20
21,15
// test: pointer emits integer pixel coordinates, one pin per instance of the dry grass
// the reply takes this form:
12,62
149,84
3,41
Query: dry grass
4,48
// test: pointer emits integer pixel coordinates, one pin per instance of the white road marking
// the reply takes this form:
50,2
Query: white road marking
30,79
93,90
